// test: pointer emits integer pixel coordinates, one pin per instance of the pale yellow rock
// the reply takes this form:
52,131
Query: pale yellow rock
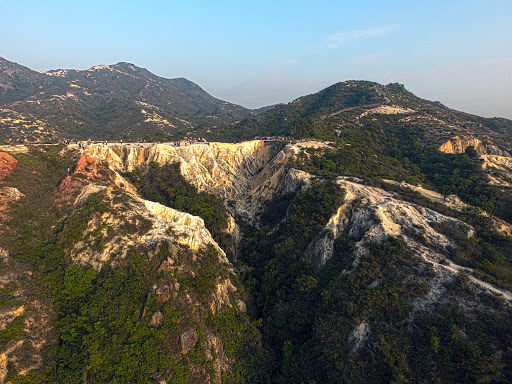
374,215
220,168
499,169
157,320
387,110
166,224
188,230
459,144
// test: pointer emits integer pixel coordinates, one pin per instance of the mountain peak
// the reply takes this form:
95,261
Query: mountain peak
104,102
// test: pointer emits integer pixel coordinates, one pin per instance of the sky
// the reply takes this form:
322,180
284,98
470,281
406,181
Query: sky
258,53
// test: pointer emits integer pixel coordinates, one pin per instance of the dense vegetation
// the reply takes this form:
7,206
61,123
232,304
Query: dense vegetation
310,317
100,321
387,148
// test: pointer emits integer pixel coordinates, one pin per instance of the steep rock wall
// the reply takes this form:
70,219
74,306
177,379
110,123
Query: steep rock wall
459,144
220,168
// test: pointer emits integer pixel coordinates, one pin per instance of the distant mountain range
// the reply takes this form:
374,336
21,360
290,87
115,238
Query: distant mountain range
358,105
123,101
105,102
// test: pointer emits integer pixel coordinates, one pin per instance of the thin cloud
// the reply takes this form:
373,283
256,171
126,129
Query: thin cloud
336,40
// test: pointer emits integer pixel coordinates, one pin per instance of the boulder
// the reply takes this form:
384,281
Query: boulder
156,320
188,340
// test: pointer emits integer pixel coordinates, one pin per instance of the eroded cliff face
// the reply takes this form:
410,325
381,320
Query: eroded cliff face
130,222
373,214
251,174
459,144
220,168
370,215
496,161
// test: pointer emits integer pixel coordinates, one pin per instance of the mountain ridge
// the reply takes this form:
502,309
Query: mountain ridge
125,101
103,102
359,103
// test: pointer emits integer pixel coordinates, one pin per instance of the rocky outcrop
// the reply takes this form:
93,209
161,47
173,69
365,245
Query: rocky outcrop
220,168
92,168
156,320
7,164
459,144
358,336
493,150
454,202
271,181
137,221
451,201
499,170
496,162
388,110
128,223
10,194
188,230
215,351
188,340
372,214
247,173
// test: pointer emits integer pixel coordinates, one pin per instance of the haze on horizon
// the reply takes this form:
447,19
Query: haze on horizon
265,52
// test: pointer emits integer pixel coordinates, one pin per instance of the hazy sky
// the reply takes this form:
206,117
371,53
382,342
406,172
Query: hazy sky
257,53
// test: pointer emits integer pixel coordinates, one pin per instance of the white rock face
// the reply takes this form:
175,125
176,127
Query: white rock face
359,335
248,173
451,201
499,169
188,230
374,214
160,222
220,168
454,202
253,173
131,222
